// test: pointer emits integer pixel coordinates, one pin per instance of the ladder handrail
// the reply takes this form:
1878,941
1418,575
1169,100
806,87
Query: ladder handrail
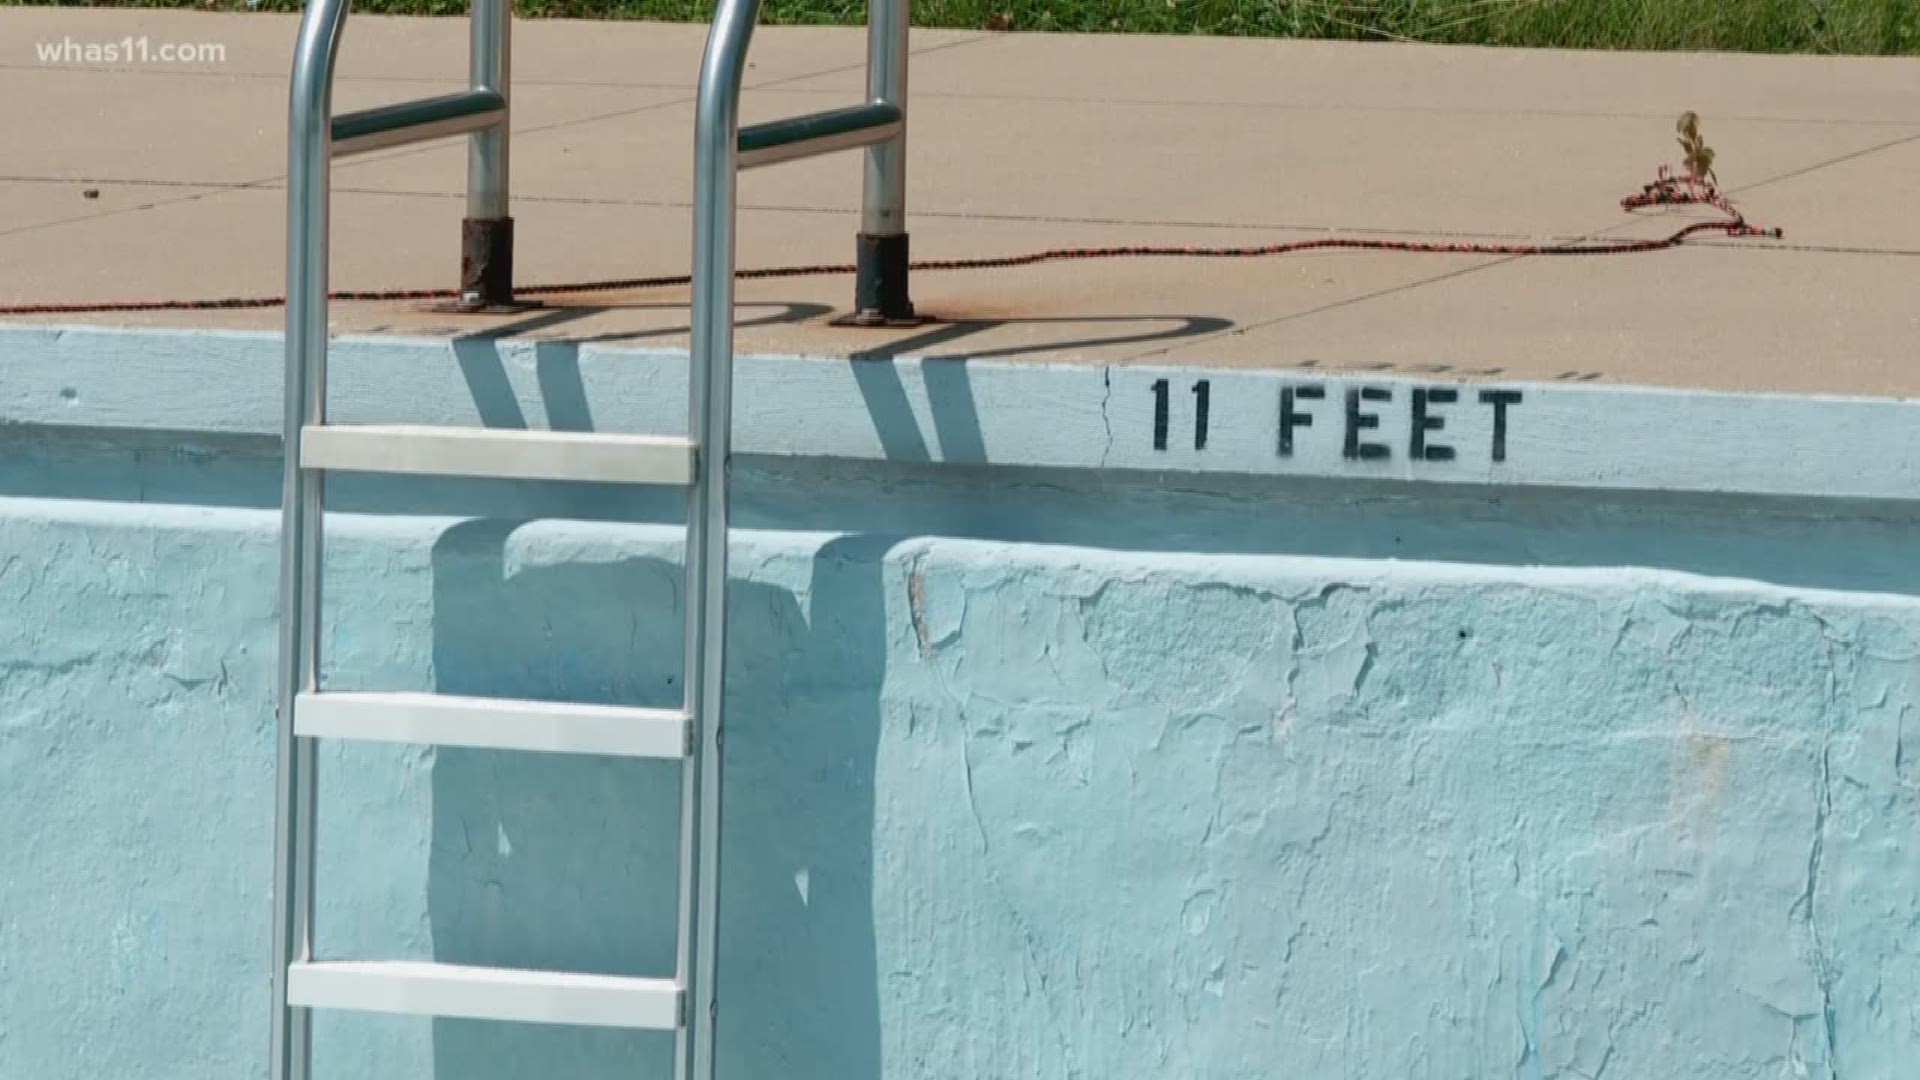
883,198
709,406
720,151
487,233
315,135
309,146
490,67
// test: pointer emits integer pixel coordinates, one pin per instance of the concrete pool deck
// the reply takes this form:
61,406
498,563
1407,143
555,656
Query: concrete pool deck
1023,142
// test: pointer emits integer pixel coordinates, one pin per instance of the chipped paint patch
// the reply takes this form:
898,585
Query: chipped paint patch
1005,808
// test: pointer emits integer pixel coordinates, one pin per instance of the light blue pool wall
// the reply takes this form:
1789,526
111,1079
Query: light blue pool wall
1031,773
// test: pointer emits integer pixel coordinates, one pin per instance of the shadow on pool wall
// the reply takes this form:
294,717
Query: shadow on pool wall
555,861
1846,545
1031,771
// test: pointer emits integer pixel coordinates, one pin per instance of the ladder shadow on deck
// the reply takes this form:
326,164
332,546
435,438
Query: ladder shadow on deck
951,331
786,312
568,861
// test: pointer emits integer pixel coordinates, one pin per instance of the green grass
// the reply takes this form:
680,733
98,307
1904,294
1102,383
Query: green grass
1884,27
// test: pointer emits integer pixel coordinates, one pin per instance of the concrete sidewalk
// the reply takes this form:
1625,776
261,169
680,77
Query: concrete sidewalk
1023,142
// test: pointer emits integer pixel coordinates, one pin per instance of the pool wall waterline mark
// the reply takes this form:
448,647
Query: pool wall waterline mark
129,50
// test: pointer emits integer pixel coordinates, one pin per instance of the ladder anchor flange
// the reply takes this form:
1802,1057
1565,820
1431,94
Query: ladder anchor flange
880,297
486,269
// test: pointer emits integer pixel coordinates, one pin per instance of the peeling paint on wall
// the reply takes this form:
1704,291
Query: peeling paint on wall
1017,808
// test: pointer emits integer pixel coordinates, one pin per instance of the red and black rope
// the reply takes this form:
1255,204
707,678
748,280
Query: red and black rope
1666,190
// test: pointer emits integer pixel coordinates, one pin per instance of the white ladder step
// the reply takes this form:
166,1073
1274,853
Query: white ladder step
506,453
496,723
480,993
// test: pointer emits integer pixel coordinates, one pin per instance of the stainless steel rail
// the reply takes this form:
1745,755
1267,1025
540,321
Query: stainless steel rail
880,285
880,124
700,461
418,121
721,149
314,136
820,133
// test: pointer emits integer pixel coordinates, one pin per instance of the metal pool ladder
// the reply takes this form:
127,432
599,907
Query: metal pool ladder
685,1002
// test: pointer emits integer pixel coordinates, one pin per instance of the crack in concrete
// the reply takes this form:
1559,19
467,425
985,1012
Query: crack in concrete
1809,900
1106,417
